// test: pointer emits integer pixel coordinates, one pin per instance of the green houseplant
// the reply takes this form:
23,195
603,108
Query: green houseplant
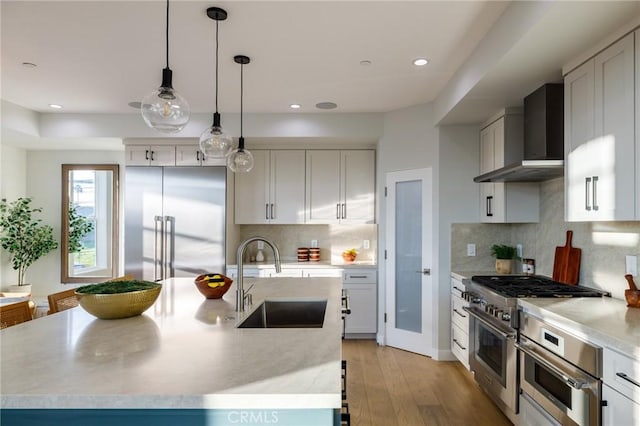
504,255
23,236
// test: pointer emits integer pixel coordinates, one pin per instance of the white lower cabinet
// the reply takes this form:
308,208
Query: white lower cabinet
361,288
459,323
621,389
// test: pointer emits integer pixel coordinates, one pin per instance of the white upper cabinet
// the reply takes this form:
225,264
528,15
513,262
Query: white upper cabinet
273,191
150,155
340,186
190,155
501,144
600,155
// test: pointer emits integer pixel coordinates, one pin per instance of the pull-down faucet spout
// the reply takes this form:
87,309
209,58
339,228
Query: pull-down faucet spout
240,295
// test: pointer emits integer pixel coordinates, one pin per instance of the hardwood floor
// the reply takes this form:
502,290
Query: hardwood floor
388,386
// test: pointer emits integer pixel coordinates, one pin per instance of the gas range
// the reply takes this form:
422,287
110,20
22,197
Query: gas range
497,295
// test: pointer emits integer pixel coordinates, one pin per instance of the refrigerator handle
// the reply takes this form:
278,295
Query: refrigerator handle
158,258
169,244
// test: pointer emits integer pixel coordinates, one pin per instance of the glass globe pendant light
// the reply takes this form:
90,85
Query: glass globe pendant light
215,142
165,109
240,160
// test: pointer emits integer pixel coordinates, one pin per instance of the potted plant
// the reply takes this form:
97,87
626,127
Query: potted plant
504,255
24,237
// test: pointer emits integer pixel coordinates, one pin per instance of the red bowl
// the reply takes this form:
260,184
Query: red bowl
202,283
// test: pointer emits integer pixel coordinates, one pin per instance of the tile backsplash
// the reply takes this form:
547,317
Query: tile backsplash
604,244
332,240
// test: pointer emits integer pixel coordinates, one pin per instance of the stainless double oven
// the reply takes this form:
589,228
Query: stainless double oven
505,360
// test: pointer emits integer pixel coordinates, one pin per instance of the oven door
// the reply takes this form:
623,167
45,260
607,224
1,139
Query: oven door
567,393
493,358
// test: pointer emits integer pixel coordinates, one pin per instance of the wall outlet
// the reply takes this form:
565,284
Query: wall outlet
471,249
519,250
314,243
260,245
365,244
631,263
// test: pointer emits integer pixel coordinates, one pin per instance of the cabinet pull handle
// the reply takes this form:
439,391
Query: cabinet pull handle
197,155
628,379
146,154
272,215
595,193
266,211
458,312
344,211
152,152
489,199
587,206
338,211
461,347
459,289
356,276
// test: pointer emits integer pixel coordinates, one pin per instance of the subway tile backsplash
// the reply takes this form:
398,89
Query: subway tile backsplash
604,244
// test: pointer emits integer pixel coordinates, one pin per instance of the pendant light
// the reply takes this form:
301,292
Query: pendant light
165,109
241,160
215,142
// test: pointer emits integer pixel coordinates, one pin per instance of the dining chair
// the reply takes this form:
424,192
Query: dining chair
62,301
15,313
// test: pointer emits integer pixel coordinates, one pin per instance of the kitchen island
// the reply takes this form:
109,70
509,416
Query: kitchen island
183,357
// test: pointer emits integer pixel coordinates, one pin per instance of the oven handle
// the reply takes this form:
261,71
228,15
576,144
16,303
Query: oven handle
570,381
502,333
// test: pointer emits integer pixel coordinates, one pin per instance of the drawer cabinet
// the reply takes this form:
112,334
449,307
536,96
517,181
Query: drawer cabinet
459,323
621,389
361,288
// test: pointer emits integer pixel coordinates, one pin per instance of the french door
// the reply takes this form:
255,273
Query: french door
409,301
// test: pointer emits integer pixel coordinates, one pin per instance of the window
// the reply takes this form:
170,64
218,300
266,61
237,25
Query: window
89,222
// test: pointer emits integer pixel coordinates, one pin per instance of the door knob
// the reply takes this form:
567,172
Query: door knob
425,271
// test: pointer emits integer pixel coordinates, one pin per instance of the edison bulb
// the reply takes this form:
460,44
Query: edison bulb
215,142
165,110
240,161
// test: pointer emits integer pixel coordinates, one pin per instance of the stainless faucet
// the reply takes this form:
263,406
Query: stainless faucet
240,295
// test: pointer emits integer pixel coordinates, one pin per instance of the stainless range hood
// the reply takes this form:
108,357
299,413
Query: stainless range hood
543,140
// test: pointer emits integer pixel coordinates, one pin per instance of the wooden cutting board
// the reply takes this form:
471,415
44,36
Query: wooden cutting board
566,264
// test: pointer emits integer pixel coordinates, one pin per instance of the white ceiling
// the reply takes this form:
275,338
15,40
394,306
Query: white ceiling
97,56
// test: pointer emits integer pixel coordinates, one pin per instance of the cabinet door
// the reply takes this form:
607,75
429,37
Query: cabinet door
137,155
287,188
357,187
162,155
620,410
614,185
188,155
252,191
487,153
363,304
323,187
460,345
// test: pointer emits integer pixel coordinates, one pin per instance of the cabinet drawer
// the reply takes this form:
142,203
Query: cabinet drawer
458,315
457,287
621,373
355,277
460,345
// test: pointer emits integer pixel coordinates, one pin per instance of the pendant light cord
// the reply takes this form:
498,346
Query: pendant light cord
167,35
241,95
217,65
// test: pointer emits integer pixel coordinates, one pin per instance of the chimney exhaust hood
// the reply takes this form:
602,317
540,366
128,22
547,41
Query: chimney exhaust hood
543,140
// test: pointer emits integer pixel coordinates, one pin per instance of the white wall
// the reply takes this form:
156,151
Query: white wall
44,184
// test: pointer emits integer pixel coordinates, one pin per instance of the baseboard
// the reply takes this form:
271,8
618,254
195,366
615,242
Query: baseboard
444,355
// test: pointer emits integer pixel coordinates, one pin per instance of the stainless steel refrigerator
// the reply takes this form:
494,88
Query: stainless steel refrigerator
174,221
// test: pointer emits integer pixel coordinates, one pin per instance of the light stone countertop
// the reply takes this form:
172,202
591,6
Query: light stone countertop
363,264
604,321
183,352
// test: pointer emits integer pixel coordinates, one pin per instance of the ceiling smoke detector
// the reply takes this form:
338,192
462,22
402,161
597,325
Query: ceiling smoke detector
326,105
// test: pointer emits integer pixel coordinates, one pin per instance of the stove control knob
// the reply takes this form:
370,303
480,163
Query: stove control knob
498,313
506,316
490,309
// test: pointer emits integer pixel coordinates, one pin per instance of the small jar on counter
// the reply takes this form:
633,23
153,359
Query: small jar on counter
528,266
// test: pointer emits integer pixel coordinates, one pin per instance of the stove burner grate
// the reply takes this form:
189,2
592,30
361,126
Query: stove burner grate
532,286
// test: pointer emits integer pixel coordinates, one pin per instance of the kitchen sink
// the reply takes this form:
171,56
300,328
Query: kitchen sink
287,314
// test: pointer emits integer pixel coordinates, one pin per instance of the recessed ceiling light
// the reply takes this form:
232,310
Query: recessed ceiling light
295,106
326,105
420,62
29,65
365,63
55,106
